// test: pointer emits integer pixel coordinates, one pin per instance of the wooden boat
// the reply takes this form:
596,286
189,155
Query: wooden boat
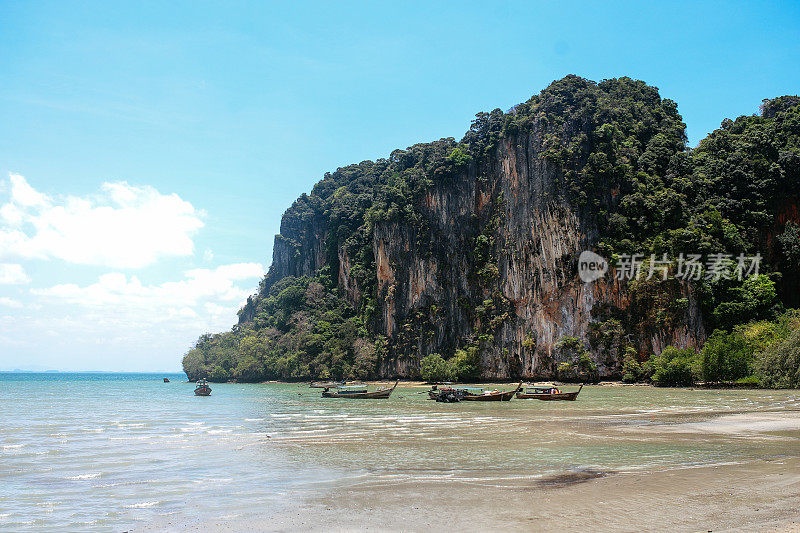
491,396
202,388
358,392
166,380
449,393
547,392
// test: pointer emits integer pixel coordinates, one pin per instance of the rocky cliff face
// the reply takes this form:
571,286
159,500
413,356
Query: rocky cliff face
539,296
490,256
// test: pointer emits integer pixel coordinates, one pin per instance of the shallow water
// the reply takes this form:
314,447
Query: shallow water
117,451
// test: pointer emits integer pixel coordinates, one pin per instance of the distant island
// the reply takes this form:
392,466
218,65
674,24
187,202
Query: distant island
574,237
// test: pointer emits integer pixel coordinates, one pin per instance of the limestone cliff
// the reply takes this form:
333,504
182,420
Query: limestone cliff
482,247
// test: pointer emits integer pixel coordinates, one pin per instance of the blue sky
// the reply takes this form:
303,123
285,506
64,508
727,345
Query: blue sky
198,123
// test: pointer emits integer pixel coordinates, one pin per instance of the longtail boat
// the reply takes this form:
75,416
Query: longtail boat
358,392
491,396
202,388
547,392
451,393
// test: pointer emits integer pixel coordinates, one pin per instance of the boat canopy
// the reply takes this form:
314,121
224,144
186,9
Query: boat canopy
352,388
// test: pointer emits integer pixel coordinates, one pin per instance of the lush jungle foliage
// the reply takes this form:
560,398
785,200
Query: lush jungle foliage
622,158
305,329
763,352
463,366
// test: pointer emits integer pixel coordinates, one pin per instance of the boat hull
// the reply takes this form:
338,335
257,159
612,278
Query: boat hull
359,395
561,396
492,397
495,397
569,396
374,395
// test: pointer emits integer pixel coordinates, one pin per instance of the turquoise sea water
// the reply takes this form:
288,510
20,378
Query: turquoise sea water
118,451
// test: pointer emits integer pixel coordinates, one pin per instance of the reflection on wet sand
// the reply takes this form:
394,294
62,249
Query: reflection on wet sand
570,478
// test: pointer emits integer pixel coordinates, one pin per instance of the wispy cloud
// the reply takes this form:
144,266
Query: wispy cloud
10,302
12,274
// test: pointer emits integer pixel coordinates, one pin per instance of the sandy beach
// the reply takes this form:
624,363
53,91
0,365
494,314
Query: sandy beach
760,494
755,497
747,497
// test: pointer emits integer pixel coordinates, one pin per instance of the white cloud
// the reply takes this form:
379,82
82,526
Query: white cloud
207,297
24,194
118,322
10,302
12,274
124,226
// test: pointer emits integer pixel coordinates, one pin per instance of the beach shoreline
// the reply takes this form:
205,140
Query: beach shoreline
758,496
603,383
754,496
282,458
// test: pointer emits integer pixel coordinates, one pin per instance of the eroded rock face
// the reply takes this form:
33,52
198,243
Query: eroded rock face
427,293
537,243
495,266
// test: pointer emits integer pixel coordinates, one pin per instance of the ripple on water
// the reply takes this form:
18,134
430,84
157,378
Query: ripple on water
142,505
93,475
117,460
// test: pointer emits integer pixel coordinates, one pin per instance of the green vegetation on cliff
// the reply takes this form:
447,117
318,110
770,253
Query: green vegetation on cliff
303,329
614,154
763,352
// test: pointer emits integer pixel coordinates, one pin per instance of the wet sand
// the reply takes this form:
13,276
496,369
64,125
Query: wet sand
754,497
751,495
